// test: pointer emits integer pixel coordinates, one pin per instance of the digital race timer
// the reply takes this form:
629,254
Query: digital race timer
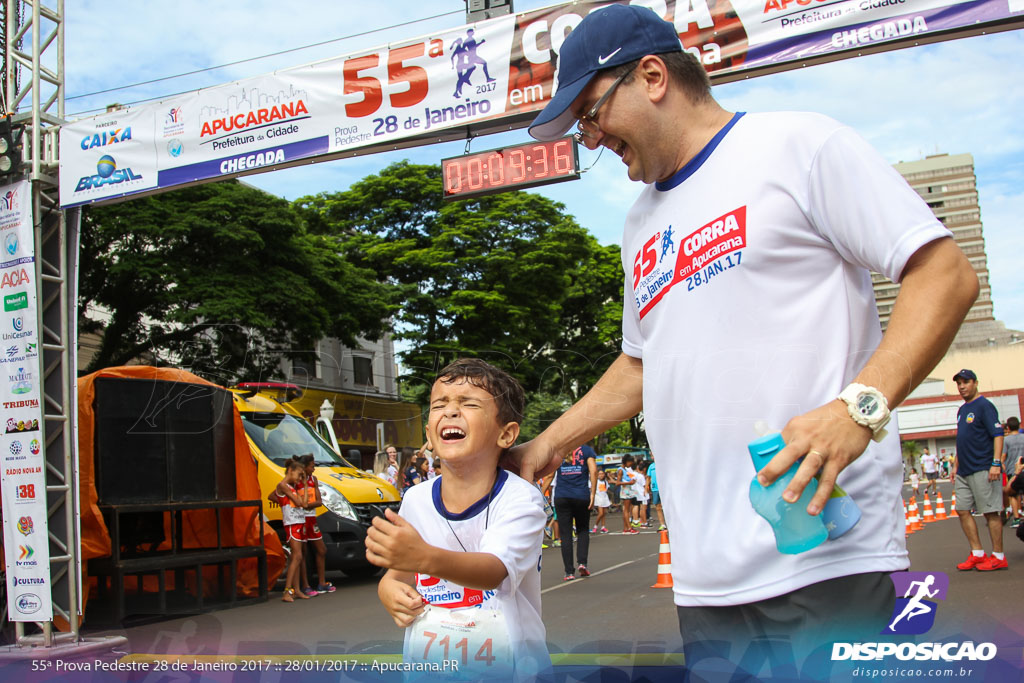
510,168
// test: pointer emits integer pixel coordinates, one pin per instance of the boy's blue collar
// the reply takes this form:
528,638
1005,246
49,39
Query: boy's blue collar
474,509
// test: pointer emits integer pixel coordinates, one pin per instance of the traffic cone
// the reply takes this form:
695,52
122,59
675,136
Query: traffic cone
940,508
664,563
929,516
910,528
952,503
915,521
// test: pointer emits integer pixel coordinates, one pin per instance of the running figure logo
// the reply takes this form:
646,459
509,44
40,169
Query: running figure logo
914,613
666,242
465,60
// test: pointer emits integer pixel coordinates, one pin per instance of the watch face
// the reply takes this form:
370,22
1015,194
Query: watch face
867,405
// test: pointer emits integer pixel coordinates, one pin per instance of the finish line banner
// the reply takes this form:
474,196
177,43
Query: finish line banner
22,477
468,80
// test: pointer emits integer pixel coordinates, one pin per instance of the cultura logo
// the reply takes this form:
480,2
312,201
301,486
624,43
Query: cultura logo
107,173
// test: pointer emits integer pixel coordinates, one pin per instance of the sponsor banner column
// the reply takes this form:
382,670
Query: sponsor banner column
22,478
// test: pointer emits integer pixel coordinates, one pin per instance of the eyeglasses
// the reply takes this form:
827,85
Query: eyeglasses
587,126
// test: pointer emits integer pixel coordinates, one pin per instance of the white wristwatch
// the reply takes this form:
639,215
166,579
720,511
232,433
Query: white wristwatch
868,407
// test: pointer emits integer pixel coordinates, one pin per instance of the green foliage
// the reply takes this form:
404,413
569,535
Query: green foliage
509,278
911,453
221,278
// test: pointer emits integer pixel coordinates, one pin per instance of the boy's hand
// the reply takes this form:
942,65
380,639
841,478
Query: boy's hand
395,544
401,600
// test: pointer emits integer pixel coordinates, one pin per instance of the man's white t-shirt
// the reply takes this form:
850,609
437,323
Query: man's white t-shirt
929,463
508,524
748,297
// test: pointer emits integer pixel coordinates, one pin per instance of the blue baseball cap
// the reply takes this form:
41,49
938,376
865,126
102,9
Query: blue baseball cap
966,374
608,37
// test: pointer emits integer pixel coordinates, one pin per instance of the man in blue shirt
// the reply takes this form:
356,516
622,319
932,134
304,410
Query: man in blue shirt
978,466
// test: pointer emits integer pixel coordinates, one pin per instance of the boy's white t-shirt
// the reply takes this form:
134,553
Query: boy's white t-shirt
640,487
748,297
510,526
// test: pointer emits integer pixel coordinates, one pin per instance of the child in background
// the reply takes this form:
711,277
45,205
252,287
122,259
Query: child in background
548,490
601,502
470,538
642,496
313,536
915,481
293,516
626,478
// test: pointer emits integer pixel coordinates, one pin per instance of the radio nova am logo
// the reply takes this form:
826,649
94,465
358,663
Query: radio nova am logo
914,614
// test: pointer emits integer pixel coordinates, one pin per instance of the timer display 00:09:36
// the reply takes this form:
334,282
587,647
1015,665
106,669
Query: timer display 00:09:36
510,168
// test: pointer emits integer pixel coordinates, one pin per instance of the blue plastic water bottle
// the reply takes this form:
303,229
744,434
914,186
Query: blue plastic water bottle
840,514
795,530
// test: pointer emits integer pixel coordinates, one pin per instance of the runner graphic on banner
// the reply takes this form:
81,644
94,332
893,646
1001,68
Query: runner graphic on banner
22,476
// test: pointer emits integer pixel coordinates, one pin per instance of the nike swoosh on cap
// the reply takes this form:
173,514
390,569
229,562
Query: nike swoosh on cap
602,60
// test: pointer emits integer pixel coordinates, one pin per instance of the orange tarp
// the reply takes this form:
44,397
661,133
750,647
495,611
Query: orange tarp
199,527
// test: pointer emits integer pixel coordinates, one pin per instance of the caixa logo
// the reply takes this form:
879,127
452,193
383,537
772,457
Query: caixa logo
107,173
28,603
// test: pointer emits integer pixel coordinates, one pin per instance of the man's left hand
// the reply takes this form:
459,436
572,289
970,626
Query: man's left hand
828,440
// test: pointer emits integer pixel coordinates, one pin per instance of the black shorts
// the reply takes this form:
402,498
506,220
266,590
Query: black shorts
848,608
931,476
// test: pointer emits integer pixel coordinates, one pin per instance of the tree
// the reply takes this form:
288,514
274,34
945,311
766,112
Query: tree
911,452
220,277
509,278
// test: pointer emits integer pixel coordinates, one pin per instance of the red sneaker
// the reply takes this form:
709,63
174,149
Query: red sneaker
972,562
993,563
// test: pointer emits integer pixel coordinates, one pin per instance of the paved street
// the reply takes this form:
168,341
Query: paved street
615,610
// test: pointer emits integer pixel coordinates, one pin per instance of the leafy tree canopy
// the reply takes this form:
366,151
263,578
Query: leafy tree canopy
220,278
510,278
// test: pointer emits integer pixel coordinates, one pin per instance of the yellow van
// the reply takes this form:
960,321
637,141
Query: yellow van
351,497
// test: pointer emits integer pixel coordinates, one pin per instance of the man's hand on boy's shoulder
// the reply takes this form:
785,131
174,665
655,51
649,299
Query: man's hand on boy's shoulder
395,544
531,460
400,599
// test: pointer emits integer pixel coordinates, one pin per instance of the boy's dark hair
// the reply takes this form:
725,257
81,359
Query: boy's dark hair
1013,423
628,460
506,391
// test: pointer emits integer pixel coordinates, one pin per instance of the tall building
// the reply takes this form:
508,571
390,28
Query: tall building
947,184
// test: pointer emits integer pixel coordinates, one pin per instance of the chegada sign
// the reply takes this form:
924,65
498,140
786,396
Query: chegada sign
473,79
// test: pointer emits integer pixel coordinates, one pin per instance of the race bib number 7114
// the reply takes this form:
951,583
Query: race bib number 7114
476,639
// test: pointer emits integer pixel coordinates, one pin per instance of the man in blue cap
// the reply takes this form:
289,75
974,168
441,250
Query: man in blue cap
763,312
978,468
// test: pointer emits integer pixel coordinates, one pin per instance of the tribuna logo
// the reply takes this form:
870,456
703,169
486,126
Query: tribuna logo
257,117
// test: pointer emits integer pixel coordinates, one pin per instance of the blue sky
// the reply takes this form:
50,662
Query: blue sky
960,96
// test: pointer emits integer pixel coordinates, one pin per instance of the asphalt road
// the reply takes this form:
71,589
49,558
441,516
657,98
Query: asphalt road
615,610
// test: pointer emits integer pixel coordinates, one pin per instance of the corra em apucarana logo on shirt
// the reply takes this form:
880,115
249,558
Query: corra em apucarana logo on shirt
700,256
442,593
